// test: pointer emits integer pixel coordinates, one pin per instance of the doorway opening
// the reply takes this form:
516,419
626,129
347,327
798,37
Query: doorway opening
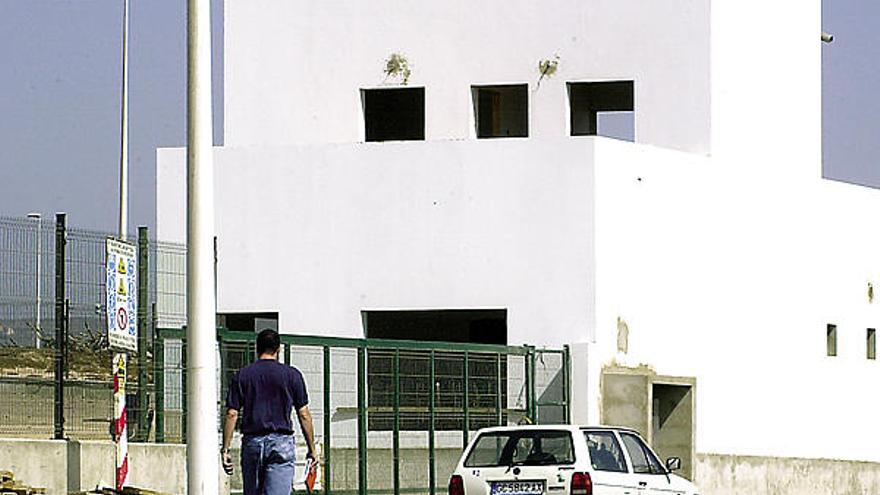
672,423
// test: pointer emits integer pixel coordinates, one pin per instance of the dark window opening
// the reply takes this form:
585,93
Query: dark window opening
872,343
483,369
396,114
248,322
501,111
473,326
831,340
602,109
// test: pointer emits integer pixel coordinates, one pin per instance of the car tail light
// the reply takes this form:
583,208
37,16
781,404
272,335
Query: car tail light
581,484
456,485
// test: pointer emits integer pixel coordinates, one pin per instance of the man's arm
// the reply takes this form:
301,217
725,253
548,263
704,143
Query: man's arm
308,429
228,428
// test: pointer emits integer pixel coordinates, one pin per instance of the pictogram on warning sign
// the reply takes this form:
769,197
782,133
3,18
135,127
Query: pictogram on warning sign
122,319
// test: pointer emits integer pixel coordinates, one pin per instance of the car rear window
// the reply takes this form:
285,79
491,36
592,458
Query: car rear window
521,448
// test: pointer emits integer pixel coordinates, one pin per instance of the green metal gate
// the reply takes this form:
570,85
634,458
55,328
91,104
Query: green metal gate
390,416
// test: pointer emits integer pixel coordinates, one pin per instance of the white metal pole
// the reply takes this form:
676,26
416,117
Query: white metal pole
37,325
122,467
123,154
202,453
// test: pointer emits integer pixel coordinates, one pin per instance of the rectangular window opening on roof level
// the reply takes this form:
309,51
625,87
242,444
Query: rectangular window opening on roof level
501,111
604,108
831,340
394,114
872,344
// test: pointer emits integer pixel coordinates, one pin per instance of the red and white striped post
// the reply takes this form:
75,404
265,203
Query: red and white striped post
120,425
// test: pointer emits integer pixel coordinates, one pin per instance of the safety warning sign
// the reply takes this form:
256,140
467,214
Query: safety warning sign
121,295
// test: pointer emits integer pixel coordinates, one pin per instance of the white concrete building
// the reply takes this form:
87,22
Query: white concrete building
711,241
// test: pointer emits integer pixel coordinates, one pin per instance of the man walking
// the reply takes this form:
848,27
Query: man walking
268,391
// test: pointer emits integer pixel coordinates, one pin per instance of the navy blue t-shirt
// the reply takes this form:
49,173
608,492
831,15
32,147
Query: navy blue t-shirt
267,390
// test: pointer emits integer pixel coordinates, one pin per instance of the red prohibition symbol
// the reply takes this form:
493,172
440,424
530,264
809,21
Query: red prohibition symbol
122,319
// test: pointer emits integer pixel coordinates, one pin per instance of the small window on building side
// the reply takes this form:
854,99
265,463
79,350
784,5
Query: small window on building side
872,344
831,340
501,111
602,109
394,114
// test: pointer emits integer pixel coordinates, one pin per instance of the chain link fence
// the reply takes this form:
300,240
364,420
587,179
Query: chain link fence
47,388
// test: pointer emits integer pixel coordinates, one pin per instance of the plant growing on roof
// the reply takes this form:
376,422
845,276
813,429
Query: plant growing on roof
398,66
547,68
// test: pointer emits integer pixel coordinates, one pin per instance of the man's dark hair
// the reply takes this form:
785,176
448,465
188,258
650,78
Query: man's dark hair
268,342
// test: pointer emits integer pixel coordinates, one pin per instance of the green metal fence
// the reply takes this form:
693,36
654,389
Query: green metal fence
55,366
390,416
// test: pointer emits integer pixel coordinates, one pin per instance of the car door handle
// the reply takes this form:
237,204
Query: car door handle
643,483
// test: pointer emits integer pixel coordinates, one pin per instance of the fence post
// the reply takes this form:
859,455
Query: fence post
530,384
533,398
60,321
183,386
159,377
143,298
499,411
396,433
467,413
327,411
566,383
432,468
362,421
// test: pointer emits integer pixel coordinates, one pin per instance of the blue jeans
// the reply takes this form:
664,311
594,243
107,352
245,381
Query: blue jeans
267,464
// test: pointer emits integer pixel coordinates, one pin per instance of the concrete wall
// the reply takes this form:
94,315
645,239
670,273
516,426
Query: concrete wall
37,463
761,106
293,69
681,242
733,475
732,280
63,466
319,233
159,467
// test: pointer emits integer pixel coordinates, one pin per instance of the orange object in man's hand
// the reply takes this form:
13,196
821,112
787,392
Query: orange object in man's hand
311,474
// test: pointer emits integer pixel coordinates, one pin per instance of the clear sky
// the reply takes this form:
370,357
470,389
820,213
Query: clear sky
60,73
851,91
60,84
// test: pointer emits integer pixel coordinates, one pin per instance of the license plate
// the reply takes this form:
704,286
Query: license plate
517,488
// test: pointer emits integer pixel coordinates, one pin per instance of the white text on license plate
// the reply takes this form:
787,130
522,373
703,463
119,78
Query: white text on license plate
518,487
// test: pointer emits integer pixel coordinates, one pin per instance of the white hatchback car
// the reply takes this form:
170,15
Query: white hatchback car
564,460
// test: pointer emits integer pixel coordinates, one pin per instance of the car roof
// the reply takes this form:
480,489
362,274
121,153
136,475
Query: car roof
556,427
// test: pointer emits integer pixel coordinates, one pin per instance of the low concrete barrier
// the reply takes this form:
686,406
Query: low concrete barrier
41,463
69,466
719,474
